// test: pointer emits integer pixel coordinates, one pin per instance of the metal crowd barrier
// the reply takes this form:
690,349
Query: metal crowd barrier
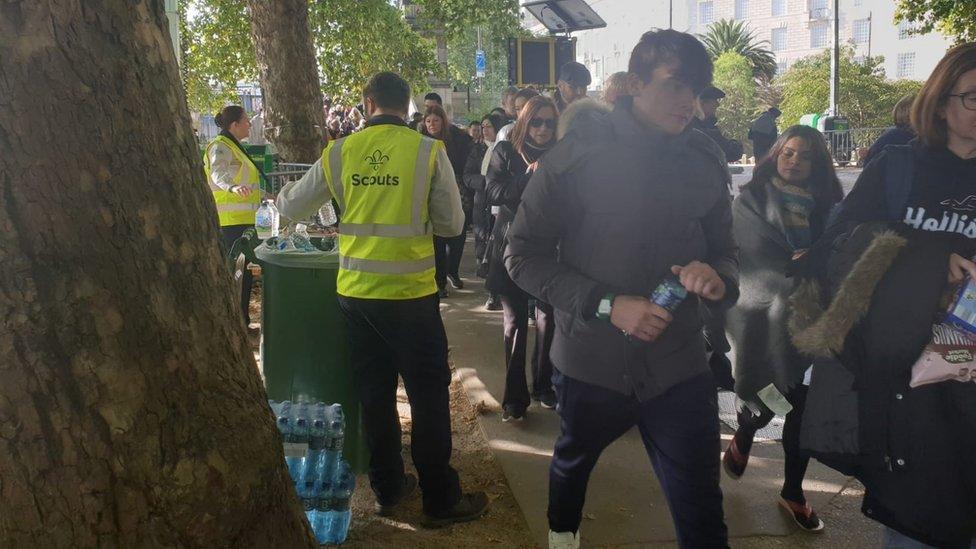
850,146
284,173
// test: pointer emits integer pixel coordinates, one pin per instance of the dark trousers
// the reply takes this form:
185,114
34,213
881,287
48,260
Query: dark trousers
515,309
447,257
680,431
228,235
795,460
481,224
405,338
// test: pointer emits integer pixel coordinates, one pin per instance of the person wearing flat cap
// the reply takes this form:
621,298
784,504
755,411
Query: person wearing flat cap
707,123
574,78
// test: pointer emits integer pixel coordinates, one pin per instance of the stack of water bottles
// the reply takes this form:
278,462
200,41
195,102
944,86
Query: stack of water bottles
313,436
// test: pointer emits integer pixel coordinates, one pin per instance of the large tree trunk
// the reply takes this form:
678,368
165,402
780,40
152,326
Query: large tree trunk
131,412
294,118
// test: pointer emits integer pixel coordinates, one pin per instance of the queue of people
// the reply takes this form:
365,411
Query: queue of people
583,215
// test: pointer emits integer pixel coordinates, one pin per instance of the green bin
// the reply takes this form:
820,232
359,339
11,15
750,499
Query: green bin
261,156
304,340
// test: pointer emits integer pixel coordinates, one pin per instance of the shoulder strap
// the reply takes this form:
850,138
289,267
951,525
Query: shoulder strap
899,169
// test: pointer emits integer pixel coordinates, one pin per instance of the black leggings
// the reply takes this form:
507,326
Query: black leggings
795,463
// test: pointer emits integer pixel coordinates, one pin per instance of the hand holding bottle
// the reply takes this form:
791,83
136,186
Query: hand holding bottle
636,316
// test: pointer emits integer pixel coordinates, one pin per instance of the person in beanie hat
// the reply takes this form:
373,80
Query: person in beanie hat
574,78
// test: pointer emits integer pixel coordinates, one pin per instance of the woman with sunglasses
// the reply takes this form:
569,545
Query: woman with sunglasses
512,163
914,443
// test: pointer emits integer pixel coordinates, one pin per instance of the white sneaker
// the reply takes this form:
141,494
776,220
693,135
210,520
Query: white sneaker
563,540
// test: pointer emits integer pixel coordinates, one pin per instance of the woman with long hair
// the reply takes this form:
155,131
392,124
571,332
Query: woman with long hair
235,183
903,239
776,218
512,163
448,251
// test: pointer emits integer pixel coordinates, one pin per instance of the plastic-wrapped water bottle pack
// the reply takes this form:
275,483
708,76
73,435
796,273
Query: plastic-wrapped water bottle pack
313,435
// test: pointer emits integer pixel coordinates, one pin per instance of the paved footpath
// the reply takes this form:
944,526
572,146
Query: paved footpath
625,506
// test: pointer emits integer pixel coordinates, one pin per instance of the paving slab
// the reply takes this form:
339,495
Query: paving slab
625,505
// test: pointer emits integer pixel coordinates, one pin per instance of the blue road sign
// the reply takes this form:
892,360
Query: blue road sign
479,63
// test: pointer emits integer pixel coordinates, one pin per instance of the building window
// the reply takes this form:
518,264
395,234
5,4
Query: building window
818,5
858,3
781,67
905,29
777,39
818,34
860,59
779,7
906,65
861,31
706,14
741,9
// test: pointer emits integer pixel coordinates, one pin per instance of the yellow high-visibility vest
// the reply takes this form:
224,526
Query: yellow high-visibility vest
381,178
232,208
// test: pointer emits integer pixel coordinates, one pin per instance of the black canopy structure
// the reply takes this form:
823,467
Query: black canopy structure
565,15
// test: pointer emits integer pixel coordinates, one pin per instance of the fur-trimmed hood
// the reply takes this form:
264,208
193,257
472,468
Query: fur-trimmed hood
821,333
582,111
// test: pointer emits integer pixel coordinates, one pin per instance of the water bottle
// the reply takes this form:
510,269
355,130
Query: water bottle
327,215
332,451
299,237
669,294
317,436
296,450
339,515
281,411
320,517
266,220
313,508
275,218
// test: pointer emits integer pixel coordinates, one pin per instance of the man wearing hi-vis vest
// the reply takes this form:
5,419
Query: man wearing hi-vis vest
396,190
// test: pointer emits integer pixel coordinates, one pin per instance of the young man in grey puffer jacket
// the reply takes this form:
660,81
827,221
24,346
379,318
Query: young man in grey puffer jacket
629,198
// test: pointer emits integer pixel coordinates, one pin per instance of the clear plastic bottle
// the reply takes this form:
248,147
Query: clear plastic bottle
320,518
275,218
339,514
299,237
327,215
332,451
264,220
296,451
317,437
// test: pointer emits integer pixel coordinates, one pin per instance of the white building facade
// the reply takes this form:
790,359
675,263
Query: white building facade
794,29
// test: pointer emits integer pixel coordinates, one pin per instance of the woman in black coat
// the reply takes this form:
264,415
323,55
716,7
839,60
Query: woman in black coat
512,163
448,251
474,180
776,217
915,443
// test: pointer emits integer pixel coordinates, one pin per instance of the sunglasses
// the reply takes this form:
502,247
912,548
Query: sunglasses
539,122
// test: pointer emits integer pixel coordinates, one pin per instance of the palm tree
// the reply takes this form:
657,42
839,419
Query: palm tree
728,35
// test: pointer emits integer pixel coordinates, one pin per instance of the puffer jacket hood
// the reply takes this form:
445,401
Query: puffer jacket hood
580,112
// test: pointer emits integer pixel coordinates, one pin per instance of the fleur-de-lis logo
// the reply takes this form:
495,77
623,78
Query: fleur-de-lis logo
377,159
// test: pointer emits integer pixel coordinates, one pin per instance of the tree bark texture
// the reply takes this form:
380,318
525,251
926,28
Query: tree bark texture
294,118
131,410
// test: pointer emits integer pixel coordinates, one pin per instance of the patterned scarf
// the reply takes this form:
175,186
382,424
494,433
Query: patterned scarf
795,206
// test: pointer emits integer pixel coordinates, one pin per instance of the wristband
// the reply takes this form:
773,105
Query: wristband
605,306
